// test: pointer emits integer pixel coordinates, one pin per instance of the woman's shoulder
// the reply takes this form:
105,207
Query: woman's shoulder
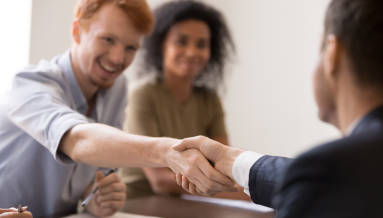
206,93
146,89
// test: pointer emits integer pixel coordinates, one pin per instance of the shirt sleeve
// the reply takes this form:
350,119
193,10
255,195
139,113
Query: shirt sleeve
140,113
37,105
242,166
217,125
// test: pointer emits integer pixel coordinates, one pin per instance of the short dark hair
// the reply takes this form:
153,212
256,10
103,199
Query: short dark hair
174,12
358,25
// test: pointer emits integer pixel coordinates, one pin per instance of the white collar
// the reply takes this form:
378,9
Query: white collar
352,126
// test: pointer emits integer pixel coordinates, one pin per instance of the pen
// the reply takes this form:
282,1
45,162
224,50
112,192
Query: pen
94,191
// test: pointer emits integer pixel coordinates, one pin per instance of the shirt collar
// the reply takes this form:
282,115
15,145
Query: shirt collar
64,61
353,125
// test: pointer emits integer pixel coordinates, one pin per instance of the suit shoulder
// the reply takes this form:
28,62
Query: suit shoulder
348,150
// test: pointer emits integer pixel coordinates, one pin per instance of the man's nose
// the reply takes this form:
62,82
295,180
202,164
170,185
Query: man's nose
117,55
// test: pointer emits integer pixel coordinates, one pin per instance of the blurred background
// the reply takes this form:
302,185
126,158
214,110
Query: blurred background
268,97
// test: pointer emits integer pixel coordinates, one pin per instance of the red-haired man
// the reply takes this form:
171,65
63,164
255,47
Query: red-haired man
61,120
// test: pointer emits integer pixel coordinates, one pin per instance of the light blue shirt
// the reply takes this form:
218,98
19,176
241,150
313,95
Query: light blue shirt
44,102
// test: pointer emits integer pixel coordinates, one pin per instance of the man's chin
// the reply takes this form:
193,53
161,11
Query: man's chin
102,84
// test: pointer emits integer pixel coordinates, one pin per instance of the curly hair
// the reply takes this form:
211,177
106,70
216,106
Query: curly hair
221,45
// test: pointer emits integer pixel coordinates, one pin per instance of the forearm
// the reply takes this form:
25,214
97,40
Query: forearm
105,146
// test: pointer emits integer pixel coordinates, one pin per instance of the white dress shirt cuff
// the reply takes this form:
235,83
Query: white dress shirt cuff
242,166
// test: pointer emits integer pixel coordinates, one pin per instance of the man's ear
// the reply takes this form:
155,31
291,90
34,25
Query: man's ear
76,31
331,57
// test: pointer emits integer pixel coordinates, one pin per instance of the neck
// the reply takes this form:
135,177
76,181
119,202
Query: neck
88,89
355,105
181,88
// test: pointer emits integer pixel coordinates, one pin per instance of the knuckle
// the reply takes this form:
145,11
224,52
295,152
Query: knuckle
211,185
115,177
210,175
204,190
200,137
189,171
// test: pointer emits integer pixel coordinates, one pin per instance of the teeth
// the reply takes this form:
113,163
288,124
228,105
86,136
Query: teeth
108,68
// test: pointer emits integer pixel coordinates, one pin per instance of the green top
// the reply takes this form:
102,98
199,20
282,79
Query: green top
153,111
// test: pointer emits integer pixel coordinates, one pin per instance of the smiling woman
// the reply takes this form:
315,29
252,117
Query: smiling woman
187,51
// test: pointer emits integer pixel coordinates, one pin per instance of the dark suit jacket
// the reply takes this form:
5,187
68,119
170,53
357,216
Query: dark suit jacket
343,178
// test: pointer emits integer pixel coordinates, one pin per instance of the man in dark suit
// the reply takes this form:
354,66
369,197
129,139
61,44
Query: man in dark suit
343,178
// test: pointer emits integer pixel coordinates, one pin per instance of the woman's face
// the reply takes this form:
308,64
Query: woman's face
186,49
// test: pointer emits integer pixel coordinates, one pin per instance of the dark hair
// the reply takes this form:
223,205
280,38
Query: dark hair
358,25
173,12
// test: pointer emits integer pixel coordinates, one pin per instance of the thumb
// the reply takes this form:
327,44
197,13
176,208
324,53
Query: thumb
186,144
99,176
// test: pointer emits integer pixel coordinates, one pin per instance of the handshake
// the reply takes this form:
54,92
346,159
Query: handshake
209,166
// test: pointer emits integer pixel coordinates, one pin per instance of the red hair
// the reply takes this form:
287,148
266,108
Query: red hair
137,10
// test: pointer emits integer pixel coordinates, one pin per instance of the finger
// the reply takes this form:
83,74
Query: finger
113,196
192,189
99,176
174,176
116,205
179,179
16,215
12,209
201,186
111,178
8,210
212,179
185,183
204,194
187,144
113,187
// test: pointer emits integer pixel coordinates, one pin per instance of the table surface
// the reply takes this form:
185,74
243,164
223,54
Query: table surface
173,207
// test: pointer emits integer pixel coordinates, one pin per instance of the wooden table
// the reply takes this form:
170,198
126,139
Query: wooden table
172,207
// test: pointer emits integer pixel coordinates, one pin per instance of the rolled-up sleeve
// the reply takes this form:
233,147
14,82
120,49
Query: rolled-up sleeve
39,106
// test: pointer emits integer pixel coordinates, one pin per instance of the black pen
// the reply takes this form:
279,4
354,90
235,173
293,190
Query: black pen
94,191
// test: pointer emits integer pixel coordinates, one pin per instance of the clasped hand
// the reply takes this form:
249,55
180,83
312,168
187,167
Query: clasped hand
222,157
110,196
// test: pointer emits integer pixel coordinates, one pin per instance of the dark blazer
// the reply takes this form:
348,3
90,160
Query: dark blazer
343,178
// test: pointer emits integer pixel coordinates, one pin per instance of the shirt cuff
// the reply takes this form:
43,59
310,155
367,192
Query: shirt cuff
242,166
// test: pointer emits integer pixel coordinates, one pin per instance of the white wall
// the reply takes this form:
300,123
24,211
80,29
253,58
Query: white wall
269,103
270,106
15,22
50,33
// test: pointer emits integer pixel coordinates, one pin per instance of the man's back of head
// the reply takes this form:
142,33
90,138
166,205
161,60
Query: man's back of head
358,25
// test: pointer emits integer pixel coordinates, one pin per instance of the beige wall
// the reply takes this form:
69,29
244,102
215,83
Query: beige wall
269,103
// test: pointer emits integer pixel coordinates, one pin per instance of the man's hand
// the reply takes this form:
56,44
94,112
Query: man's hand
13,213
110,196
192,164
221,156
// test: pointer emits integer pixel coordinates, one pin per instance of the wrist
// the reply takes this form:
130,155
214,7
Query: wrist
165,150
228,159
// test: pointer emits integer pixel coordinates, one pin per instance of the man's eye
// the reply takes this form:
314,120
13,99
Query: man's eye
108,39
131,48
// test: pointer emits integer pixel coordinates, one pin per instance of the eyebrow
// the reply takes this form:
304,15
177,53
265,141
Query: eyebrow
138,45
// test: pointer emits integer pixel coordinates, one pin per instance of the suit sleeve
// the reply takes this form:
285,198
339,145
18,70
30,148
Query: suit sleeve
265,177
